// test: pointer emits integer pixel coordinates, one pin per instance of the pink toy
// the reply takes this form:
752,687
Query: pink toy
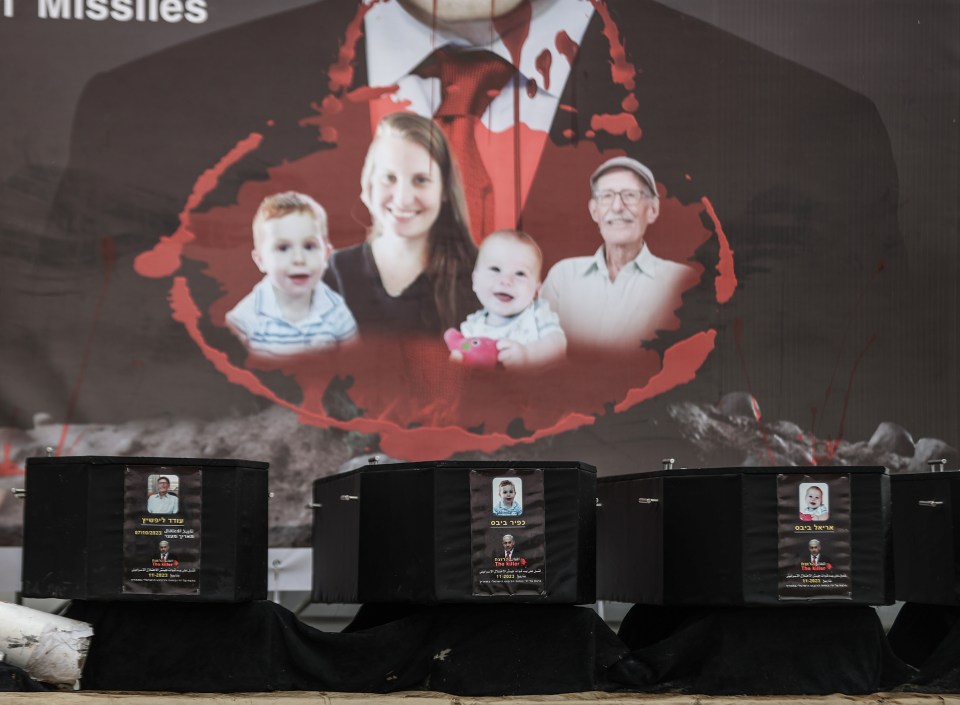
476,352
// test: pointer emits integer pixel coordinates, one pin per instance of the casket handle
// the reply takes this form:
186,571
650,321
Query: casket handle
348,497
929,503
19,492
314,505
648,500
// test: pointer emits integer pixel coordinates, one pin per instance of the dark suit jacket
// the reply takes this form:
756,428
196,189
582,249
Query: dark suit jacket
797,168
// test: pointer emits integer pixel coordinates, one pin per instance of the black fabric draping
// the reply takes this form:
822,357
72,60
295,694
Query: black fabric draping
16,680
801,650
261,646
501,650
928,637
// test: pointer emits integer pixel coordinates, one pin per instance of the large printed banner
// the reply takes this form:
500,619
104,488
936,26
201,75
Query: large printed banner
581,229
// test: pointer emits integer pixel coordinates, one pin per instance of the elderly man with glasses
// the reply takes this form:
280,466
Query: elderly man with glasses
620,297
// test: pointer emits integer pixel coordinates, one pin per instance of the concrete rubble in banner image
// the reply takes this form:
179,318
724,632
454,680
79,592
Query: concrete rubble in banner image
735,430
731,433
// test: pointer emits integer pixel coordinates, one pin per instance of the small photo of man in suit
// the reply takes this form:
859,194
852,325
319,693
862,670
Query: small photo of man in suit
509,551
165,555
814,556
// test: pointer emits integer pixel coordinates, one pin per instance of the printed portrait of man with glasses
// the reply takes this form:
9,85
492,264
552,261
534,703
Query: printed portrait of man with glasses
619,298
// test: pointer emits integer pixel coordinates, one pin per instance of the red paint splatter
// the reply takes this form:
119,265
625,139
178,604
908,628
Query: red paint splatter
185,311
621,70
543,62
108,253
341,73
567,47
630,103
329,134
688,177
679,231
365,94
738,338
531,87
568,133
680,364
858,305
622,124
72,450
164,259
7,466
331,105
413,442
513,28
590,134
726,282
830,448
567,108
333,108
853,374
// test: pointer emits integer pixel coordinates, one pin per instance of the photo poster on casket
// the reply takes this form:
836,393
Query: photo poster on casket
507,531
161,530
813,513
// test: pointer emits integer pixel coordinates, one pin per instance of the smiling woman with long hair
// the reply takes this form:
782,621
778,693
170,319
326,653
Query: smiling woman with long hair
413,272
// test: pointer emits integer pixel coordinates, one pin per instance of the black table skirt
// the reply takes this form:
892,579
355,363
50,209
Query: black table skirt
260,646
808,649
928,637
499,650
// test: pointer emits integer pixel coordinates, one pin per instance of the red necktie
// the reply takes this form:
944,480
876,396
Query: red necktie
469,81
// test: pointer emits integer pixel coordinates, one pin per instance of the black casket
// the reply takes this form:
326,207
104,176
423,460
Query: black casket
456,532
926,537
741,536
111,528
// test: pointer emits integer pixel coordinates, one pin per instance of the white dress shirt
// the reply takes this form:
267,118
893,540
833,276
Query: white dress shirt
596,312
397,43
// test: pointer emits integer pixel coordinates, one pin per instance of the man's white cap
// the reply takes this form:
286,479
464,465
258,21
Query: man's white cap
633,165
